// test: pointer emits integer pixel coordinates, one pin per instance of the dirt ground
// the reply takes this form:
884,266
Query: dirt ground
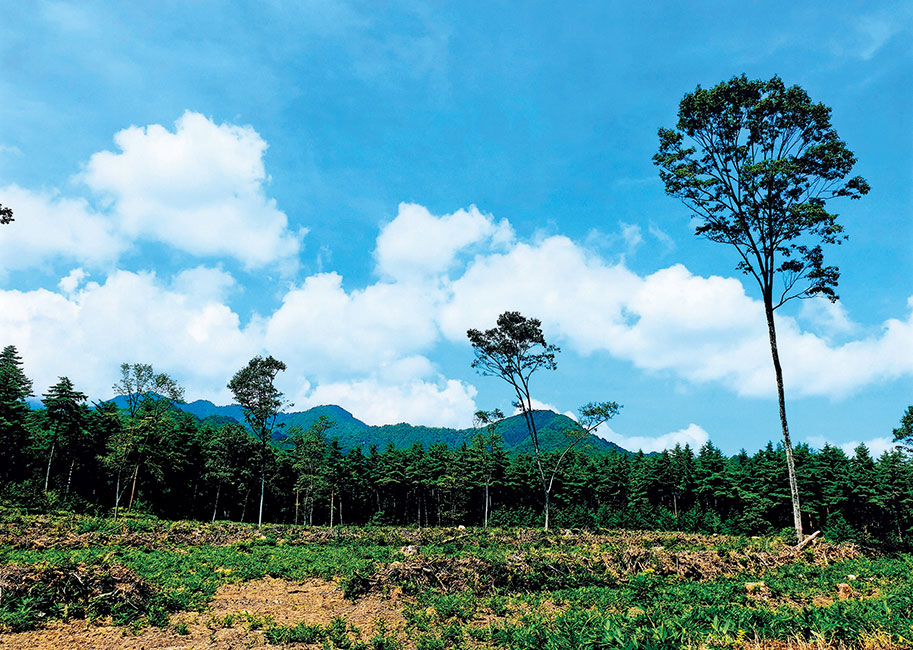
232,622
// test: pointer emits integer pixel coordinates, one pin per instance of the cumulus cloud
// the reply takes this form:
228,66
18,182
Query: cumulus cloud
693,435
417,244
443,403
72,280
130,318
50,226
333,333
204,284
199,189
371,349
827,318
703,329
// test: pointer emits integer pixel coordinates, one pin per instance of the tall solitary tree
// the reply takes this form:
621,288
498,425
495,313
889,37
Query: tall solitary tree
254,388
756,162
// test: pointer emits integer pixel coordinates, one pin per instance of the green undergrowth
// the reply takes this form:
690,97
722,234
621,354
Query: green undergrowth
648,611
470,588
336,635
183,578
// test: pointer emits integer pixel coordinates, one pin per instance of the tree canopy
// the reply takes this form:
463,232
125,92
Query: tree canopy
756,162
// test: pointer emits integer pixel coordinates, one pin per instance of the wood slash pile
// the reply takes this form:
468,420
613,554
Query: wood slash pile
76,589
538,567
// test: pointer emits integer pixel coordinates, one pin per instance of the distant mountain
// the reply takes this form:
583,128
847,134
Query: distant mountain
352,432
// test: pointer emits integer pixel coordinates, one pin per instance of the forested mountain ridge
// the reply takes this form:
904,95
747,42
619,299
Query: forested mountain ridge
352,432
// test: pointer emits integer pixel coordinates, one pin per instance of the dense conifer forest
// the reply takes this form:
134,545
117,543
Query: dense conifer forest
157,459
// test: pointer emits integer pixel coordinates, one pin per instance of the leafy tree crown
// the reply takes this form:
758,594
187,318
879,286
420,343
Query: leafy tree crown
254,389
513,350
756,162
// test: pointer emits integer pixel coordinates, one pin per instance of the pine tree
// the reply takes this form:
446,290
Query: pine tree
67,416
15,388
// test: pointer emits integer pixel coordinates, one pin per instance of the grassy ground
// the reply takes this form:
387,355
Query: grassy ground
463,588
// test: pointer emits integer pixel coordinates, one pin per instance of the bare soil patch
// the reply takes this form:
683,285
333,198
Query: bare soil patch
235,619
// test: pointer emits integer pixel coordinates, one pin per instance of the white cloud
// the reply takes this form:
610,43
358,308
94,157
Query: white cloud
876,446
371,349
828,318
625,241
130,318
204,284
632,235
72,280
49,226
442,403
199,189
573,293
817,368
693,435
418,244
662,237
331,333
703,329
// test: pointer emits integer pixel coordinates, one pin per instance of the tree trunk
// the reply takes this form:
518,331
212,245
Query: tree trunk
117,493
47,475
215,507
546,508
332,505
70,477
133,489
485,522
244,507
787,444
297,503
262,493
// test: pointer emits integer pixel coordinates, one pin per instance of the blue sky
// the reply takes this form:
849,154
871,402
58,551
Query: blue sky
349,187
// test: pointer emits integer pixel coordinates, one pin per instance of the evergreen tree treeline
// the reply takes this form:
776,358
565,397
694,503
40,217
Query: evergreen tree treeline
65,456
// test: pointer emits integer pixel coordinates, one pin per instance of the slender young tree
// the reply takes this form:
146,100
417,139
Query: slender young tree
487,453
309,455
226,452
756,162
150,396
254,388
513,351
